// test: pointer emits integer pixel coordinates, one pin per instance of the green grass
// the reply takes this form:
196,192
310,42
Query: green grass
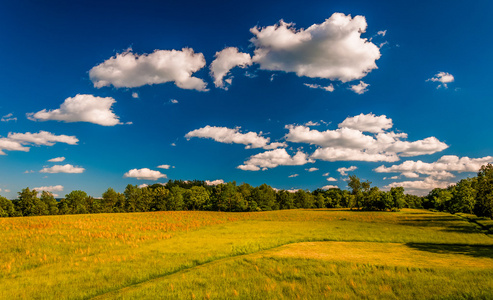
182,255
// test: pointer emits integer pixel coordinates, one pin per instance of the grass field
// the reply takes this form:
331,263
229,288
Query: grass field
295,254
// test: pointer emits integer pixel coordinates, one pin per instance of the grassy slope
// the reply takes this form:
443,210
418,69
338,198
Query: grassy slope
411,254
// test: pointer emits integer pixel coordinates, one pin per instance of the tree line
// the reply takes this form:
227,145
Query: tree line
193,195
471,195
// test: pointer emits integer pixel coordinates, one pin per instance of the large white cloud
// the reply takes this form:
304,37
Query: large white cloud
274,158
420,187
81,108
440,168
144,174
63,169
367,123
346,154
438,173
9,145
128,69
229,136
333,49
342,137
44,138
428,145
17,141
350,142
226,60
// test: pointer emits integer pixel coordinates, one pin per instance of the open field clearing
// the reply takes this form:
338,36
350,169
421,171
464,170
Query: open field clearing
279,254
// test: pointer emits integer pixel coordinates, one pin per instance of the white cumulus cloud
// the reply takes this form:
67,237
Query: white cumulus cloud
230,136
293,175
443,78
440,168
367,123
81,108
328,187
17,141
346,154
57,159
274,158
62,169
360,88
144,174
128,69
214,182
312,169
52,188
8,118
329,88
333,49
226,60
343,171
166,167
331,179
44,138
420,187
350,142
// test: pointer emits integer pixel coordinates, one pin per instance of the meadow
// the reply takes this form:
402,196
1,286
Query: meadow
289,254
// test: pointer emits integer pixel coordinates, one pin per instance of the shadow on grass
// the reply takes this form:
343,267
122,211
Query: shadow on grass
446,223
464,249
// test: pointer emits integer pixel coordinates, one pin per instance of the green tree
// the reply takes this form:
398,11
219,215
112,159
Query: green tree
195,197
356,192
76,202
398,197
110,201
51,204
265,196
175,201
386,201
373,199
484,187
7,208
320,201
303,199
29,203
161,198
285,199
133,198
464,196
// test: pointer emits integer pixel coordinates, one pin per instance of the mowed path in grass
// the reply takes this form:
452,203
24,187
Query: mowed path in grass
305,254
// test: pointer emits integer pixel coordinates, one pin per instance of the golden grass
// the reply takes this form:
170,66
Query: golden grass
82,256
384,254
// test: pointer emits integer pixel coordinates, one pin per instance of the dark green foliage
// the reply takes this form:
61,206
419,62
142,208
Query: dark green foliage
471,195
285,199
303,199
49,200
7,208
398,197
77,202
484,187
30,204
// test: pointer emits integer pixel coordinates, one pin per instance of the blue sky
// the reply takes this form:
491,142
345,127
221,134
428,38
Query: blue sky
291,94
